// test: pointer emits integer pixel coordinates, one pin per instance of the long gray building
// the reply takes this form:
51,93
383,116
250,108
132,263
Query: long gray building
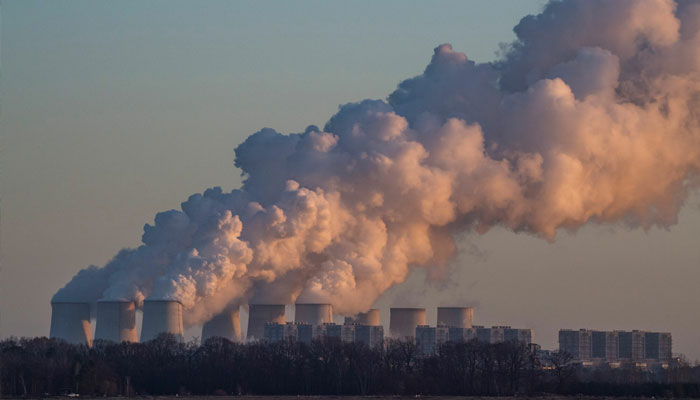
429,338
615,346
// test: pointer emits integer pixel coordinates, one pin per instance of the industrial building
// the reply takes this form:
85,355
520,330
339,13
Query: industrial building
71,322
373,336
458,317
576,343
615,346
370,318
161,316
226,324
261,314
314,314
403,322
429,339
116,321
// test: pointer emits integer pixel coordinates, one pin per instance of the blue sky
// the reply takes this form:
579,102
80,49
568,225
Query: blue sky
113,111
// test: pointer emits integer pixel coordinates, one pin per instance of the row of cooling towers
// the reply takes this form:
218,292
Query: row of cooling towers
116,320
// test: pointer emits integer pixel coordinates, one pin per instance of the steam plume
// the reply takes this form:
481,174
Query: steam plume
591,115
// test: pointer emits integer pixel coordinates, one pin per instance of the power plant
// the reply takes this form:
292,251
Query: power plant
71,322
161,316
261,314
369,318
116,321
403,322
226,324
456,317
313,314
596,347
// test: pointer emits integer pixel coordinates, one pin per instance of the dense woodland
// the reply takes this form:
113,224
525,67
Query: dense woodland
41,367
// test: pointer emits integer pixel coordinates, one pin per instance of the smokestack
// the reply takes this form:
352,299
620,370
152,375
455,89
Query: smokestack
370,318
161,316
457,317
116,321
403,321
226,324
259,315
314,314
71,322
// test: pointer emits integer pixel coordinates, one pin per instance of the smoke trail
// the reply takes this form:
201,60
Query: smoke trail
591,115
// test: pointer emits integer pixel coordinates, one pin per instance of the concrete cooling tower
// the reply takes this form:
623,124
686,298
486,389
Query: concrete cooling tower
71,322
116,321
161,316
370,318
259,315
314,314
458,317
226,324
403,321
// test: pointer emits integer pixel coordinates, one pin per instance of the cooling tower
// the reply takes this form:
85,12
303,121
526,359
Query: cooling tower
403,321
259,315
116,321
161,316
456,317
370,318
313,314
226,324
71,322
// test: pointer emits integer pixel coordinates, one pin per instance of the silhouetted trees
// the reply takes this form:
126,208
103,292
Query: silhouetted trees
165,366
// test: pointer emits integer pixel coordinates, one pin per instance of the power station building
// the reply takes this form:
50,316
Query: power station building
116,321
429,339
616,346
261,314
70,321
404,321
226,324
161,316
373,336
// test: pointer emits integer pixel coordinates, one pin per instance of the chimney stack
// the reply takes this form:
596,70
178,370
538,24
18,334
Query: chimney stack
116,321
71,322
226,324
259,315
161,316
403,322
370,318
456,317
314,314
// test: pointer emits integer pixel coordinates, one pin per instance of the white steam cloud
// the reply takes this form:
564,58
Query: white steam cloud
592,114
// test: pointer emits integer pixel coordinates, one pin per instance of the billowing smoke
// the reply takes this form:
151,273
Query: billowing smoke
592,114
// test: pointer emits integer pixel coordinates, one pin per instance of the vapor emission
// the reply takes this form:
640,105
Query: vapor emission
591,115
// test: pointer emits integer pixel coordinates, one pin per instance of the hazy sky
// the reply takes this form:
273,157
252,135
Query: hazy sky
113,111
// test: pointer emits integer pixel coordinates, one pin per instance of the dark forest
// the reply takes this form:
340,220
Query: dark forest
46,367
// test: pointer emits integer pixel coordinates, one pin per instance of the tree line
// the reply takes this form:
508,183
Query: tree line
34,367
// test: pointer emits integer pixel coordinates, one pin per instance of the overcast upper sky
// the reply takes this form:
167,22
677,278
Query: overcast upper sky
113,111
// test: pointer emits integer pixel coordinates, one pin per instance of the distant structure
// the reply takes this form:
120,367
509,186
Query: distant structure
276,332
71,322
403,322
370,318
429,339
226,324
161,316
261,314
455,317
370,333
116,321
616,346
314,314
373,336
